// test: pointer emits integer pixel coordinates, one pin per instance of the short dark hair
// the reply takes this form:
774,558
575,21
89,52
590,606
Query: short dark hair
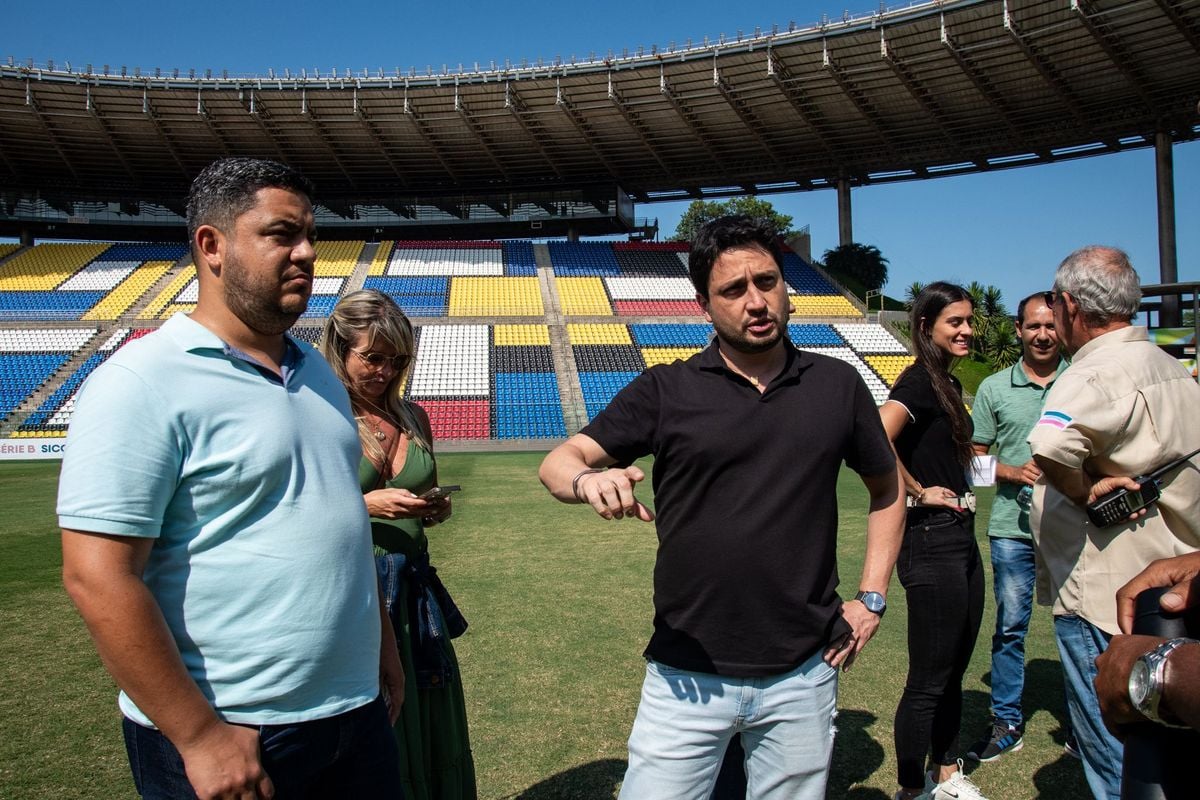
225,189
726,233
1021,305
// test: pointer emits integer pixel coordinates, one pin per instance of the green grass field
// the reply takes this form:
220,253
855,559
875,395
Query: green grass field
559,606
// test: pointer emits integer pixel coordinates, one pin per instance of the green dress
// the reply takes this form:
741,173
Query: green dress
435,752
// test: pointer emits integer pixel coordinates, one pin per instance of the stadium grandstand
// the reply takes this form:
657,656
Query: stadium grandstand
467,195
519,343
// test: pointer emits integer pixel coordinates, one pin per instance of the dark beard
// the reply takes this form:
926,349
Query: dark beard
260,315
743,345
751,348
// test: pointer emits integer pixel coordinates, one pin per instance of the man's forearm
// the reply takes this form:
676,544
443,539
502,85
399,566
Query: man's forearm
1074,483
885,531
1181,698
565,462
1008,473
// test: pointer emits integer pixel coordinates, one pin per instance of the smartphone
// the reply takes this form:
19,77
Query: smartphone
440,492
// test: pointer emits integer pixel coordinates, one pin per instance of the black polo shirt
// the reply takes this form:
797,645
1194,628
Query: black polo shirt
745,488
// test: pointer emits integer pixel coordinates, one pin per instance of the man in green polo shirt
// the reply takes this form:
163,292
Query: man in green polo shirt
1007,405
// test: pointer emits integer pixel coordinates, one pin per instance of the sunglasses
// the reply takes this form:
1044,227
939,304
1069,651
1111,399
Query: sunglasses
379,360
1051,298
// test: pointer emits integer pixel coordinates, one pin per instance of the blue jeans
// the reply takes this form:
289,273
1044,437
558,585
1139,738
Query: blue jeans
349,755
1079,643
686,719
1014,572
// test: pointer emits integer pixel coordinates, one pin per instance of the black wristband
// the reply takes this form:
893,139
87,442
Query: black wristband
575,481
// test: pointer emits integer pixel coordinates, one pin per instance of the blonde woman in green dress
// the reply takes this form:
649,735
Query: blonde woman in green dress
369,343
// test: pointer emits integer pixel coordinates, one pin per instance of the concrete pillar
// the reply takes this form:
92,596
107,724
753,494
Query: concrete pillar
845,220
26,237
572,234
1168,265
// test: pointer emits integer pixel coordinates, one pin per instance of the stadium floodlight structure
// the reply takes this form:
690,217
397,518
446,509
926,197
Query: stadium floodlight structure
931,89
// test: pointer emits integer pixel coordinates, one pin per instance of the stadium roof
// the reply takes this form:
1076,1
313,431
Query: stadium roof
932,89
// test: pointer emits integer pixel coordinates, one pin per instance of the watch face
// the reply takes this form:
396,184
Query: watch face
1139,684
873,601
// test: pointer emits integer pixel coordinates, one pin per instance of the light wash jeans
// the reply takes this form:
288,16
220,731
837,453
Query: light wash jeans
686,719
1014,570
1079,643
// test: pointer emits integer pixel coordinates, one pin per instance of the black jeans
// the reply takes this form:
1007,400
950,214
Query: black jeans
352,754
942,574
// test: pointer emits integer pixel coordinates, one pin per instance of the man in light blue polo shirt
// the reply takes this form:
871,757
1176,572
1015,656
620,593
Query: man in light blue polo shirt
1006,408
215,538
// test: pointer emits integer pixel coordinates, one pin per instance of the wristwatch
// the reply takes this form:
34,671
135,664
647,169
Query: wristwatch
873,601
1147,677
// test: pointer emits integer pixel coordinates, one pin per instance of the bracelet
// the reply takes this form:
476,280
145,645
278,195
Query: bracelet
575,482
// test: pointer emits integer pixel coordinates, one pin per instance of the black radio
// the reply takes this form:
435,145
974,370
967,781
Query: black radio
1115,507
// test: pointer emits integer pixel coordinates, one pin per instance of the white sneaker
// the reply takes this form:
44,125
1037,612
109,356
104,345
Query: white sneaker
957,787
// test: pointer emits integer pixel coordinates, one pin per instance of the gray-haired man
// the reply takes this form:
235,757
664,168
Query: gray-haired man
1122,409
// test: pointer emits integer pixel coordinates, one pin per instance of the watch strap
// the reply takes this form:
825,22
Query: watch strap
1156,664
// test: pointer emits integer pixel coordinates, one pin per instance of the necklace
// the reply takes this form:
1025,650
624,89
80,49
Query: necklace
377,421
756,381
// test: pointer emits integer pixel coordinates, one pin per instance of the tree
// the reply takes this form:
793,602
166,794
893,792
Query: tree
863,262
702,211
912,292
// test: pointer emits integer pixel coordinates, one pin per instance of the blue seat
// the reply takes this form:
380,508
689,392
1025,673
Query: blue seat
599,388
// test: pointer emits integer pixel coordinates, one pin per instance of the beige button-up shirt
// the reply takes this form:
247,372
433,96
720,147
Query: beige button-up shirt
1123,407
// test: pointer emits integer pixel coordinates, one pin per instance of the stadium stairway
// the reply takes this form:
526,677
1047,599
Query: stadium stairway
570,395
30,404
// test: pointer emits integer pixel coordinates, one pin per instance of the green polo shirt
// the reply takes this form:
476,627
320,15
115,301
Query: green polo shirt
1007,405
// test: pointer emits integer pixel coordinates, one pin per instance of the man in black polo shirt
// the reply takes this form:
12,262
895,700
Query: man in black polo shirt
748,437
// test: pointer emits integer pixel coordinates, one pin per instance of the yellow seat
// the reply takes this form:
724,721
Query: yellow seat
337,259
161,307
516,335
583,297
495,297
595,333
382,256
807,305
126,293
667,355
44,267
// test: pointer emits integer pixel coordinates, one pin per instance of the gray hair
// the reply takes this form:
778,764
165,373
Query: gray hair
1103,283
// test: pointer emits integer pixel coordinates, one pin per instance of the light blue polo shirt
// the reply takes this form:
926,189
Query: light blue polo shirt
262,562
1007,404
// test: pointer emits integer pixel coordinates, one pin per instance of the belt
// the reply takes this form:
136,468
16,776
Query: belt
966,501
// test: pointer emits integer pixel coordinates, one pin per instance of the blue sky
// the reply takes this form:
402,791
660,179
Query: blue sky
1009,228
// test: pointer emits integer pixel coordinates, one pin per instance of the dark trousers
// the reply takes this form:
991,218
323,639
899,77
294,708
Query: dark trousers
349,755
942,574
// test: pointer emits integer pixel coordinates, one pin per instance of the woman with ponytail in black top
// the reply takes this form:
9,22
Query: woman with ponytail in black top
939,566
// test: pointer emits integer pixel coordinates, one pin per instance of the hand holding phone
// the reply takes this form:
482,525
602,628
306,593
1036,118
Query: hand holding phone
439,493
